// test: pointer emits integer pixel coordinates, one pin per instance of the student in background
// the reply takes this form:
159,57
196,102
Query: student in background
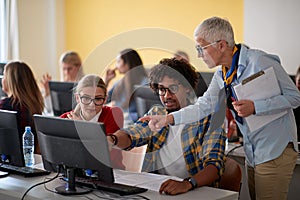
189,151
71,71
271,151
297,110
130,64
201,86
181,55
90,96
23,96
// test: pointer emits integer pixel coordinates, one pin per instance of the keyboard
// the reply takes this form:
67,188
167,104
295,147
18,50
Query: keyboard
25,171
118,188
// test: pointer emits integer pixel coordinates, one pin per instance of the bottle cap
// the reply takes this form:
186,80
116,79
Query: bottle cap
27,128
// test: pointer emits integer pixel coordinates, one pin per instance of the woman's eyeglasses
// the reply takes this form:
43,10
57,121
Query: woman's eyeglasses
87,100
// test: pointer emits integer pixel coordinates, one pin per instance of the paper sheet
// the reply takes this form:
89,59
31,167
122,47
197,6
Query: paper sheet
144,180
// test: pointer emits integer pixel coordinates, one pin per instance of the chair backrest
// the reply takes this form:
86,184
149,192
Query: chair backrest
201,86
144,98
207,76
232,176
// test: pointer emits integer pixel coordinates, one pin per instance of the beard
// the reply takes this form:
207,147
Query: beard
172,110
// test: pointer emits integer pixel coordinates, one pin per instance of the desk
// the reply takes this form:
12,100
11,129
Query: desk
14,186
239,156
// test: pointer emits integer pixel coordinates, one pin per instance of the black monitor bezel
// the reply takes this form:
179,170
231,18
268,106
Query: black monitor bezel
62,96
10,138
63,143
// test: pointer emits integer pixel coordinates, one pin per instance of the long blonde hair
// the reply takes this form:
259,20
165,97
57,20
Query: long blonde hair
22,87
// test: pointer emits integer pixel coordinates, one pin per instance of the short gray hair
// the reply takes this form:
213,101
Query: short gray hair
214,29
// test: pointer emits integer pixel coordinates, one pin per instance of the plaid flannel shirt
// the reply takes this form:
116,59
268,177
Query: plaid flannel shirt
200,146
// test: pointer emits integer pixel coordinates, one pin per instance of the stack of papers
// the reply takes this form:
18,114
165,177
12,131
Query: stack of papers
145,180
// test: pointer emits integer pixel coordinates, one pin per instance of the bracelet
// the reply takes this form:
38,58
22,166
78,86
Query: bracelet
115,139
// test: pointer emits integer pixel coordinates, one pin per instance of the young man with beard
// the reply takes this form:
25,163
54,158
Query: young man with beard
189,151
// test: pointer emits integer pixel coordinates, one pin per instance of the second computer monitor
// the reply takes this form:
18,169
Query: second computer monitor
62,96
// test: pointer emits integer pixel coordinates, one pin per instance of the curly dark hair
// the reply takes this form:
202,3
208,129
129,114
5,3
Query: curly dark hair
176,69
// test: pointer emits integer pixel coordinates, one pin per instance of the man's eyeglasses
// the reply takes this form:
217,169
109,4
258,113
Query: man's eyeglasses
87,100
173,89
200,49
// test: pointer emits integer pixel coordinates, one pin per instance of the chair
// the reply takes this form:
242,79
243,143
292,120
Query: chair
207,76
133,159
232,176
144,99
201,86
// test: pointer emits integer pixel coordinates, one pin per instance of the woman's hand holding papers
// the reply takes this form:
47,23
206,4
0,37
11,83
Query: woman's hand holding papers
244,108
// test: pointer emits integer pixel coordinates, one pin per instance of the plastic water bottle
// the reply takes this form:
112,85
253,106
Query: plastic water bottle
28,147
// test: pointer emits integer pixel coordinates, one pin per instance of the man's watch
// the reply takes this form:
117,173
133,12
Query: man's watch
192,181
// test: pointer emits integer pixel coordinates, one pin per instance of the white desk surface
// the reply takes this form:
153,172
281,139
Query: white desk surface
14,186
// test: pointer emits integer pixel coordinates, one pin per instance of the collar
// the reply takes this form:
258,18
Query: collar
94,119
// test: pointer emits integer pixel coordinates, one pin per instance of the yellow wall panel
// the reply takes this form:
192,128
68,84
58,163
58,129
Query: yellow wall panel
99,29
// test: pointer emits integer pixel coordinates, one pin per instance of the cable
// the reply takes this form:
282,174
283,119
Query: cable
39,184
49,190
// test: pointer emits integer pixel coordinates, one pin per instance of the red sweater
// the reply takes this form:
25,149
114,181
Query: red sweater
113,119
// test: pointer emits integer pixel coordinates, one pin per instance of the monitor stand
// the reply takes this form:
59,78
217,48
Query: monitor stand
69,188
3,174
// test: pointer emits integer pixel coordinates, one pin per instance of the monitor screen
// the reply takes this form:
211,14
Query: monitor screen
10,139
2,93
62,96
2,68
74,146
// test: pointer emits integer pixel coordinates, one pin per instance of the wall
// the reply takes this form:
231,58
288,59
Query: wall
41,34
99,29
47,28
50,27
273,26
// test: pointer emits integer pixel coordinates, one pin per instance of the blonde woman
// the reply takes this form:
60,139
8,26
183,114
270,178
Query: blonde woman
71,71
90,95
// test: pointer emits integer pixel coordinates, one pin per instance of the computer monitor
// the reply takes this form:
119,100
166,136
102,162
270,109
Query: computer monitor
2,93
10,139
62,96
74,146
2,68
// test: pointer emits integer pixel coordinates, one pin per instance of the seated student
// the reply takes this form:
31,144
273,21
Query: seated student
297,110
189,151
90,96
130,64
23,96
71,71
181,55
